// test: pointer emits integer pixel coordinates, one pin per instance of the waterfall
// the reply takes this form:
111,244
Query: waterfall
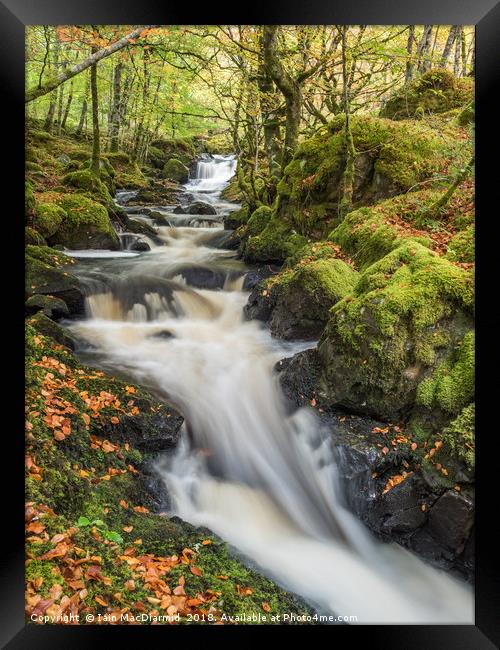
263,479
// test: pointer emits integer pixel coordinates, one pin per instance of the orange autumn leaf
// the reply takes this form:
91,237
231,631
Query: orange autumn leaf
196,571
266,607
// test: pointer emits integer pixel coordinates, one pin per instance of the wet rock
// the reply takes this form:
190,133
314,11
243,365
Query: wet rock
44,278
140,246
164,334
199,207
51,306
252,278
451,520
202,277
48,327
150,431
179,210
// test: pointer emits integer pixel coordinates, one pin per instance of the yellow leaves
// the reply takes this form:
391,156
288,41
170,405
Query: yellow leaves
86,419
101,601
396,480
127,529
123,504
130,390
83,473
141,509
115,420
206,542
130,585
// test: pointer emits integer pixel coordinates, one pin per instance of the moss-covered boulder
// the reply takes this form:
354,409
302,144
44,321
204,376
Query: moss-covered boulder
161,150
86,224
236,218
258,220
461,247
436,91
86,180
369,233
296,302
273,244
46,326
48,219
33,237
405,318
175,170
391,158
29,201
47,273
50,305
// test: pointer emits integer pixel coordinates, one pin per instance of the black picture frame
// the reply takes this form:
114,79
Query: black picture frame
485,15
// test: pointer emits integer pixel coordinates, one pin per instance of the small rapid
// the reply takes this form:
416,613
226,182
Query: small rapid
258,475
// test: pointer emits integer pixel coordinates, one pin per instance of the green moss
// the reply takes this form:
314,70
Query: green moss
390,158
32,236
259,220
274,244
49,218
85,180
175,170
86,225
48,256
367,235
405,316
436,91
29,200
451,386
459,436
461,248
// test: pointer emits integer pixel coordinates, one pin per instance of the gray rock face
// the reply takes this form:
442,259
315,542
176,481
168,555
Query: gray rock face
199,207
433,521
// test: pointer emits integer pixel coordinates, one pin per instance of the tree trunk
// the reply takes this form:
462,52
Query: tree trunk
270,120
409,49
68,106
83,113
458,51
289,88
423,49
115,112
345,204
448,45
96,146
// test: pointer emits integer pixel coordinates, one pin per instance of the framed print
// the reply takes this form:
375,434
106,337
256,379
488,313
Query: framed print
250,303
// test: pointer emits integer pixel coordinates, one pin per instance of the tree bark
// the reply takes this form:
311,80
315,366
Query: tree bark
345,203
290,89
83,113
270,120
96,145
68,106
452,34
97,56
115,112
409,49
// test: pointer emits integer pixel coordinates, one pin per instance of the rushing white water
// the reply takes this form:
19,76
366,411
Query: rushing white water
261,478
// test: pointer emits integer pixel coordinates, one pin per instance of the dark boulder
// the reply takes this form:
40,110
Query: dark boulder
48,327
51,306
140,246
199,207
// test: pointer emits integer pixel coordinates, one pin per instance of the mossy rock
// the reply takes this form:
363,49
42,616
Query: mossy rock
274,244
370,233
29,201
86,225
436,91
49,218
459,436
467,115
32,236
86,180
51,306
45,325
46,274
296,303
405,317
236,218
258,220
175,170
232,192
182,149
391,158
461,247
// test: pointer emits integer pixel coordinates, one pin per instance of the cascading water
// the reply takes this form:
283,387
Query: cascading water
261,478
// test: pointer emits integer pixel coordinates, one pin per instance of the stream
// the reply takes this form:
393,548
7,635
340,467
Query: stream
260,476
